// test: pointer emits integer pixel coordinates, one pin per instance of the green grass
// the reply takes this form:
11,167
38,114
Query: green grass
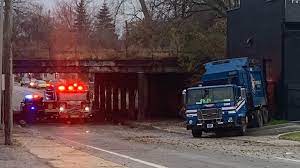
294,136
277,122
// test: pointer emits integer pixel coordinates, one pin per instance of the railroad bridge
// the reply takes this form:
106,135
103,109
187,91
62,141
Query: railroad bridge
123,89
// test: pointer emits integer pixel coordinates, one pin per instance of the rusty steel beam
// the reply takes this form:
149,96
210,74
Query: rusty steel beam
96,66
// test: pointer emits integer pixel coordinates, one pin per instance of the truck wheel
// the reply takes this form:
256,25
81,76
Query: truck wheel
265,114
197,133
259,119
220,134
31,118
242,130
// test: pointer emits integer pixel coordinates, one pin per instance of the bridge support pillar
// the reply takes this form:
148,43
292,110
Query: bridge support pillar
123,102
108,101
102,112
115,95
143,96
96,95
131,103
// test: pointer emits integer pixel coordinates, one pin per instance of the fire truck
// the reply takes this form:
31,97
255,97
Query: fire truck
63,101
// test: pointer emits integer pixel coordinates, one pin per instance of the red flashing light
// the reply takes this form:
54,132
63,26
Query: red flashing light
80,88
75,84
36,96
61,88
71,88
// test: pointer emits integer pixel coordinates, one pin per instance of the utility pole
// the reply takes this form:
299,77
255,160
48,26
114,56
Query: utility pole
1,56
7,68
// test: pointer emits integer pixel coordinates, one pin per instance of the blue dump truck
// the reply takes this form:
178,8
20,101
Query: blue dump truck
231,96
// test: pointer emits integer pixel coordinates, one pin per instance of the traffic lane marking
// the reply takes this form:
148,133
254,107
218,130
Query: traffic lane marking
117,154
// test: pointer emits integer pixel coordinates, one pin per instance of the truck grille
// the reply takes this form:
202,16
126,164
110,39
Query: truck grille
210,114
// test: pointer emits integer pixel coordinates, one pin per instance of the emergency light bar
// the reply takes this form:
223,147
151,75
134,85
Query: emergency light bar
29,96
61,88
71,88
32,96
80,88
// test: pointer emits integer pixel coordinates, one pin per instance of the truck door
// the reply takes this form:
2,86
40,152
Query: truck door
258,88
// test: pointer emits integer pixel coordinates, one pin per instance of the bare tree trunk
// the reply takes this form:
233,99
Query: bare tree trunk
145,11
148,25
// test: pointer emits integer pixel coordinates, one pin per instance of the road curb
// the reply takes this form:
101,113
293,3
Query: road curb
279,135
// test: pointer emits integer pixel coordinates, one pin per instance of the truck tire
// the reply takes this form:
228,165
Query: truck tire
265,114
196,132
220,134
259,119
30,118
242,130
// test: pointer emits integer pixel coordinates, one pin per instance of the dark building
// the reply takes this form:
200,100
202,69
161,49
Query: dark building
269,31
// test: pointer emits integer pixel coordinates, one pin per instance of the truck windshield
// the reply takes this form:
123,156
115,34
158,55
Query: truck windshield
209,95
72,96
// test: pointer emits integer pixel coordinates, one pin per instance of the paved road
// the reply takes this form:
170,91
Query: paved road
116,144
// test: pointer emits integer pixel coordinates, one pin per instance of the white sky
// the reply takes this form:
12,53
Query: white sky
48,3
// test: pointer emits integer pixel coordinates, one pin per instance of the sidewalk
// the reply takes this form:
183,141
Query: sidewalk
18,157
31,150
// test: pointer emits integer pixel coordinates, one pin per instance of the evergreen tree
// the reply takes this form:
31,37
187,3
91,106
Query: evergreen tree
82,20
105,28
104,19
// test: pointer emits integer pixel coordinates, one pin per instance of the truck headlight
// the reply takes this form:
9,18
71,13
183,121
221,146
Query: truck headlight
231,112
61,109
87,109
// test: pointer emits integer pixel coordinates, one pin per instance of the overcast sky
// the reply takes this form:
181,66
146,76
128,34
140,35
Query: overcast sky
48,3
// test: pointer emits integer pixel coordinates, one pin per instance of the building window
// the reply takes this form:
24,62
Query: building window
234,4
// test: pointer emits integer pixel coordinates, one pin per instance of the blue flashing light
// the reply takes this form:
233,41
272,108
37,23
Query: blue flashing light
32,108
29,96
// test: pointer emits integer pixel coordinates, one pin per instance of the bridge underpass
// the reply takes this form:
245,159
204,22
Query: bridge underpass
138,96
130,90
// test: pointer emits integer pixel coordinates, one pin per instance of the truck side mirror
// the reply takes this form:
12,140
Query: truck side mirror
243,93
184,96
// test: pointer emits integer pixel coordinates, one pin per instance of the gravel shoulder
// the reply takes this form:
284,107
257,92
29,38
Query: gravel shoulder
259,143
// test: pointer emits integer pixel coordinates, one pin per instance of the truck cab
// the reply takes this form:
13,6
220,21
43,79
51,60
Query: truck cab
231,95
210,108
